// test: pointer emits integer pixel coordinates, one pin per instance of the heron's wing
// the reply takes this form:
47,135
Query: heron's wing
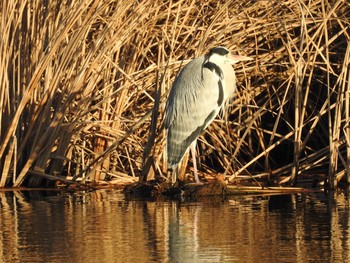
194,101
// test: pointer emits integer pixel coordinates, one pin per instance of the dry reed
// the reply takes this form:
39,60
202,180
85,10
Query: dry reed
79,80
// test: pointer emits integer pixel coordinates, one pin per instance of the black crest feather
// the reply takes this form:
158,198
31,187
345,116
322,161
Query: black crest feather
222,51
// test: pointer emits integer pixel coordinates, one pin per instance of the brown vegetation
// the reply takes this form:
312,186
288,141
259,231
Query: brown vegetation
79,80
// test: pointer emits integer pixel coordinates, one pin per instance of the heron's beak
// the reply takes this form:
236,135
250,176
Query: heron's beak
233,59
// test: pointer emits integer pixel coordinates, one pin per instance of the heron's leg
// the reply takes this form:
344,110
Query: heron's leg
193,152
174,174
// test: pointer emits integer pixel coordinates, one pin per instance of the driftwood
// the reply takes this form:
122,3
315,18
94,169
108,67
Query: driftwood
216,187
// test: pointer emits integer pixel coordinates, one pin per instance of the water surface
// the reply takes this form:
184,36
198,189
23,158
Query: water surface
104,226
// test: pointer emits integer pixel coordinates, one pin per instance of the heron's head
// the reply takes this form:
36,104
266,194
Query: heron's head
222,55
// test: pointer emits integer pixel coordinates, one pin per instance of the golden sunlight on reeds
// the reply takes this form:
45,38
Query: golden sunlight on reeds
79,81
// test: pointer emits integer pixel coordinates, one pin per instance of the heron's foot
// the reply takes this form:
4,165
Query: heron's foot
197,182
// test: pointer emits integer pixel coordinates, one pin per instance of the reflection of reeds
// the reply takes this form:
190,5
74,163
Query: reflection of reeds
76,80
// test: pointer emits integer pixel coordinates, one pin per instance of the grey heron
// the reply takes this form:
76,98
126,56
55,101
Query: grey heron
196,97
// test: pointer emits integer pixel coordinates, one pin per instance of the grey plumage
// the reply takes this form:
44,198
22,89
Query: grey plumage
196,97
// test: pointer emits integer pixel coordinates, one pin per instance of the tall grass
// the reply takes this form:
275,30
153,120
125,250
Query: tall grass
79,81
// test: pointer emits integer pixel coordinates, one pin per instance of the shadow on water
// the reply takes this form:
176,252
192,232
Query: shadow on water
53,226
